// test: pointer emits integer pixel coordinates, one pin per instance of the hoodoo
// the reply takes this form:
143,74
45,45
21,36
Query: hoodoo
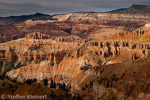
77,56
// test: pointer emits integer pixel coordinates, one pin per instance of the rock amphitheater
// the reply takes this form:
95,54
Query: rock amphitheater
97,56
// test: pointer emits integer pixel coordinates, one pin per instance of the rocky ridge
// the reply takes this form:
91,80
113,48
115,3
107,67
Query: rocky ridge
100,56
80,24
64,58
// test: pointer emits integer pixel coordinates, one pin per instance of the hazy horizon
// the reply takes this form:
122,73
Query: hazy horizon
26,7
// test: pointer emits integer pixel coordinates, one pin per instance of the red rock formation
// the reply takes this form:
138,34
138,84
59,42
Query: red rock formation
97,66
81,24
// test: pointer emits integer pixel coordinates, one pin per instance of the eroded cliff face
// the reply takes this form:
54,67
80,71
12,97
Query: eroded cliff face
27,92
103,16
101,56
80,24
87,66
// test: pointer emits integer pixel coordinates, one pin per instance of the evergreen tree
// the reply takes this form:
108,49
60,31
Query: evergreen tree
34,80
99,62
60,87
28,81
51,84
45,82
64,86
54,85
91,83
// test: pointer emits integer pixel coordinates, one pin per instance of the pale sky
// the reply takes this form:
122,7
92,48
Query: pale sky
25,7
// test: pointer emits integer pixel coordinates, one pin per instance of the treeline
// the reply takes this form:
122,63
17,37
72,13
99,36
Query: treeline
52,84
8,66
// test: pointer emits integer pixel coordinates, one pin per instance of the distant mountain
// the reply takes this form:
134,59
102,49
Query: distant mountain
18,19
134,9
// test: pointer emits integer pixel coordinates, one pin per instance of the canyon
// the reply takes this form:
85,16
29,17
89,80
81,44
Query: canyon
80,24
95,56
64,59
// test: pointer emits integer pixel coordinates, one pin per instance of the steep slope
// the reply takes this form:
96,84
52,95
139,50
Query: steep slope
134,9
42,91
80,24
18,19
101,56
35,91
84,65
